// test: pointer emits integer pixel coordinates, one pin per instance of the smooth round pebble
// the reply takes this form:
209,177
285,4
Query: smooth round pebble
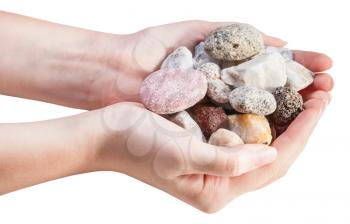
224,137
170,91
210,70
181,58
248,99
218,91
289,106
234,42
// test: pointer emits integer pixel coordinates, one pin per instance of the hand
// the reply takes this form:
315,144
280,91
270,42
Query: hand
205,176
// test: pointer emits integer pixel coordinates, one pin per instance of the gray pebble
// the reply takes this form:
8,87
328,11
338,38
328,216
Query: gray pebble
201,57
218,91
234,42
248,99
210,70
181,58
289,105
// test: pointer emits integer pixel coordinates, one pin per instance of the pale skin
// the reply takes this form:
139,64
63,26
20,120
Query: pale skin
91,70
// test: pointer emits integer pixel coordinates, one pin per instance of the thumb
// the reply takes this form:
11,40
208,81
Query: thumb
233,161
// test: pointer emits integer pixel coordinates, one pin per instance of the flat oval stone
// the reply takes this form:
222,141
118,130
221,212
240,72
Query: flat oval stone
252,128
171,91
181,58
289,105
224,137
264,71
248,99
234,42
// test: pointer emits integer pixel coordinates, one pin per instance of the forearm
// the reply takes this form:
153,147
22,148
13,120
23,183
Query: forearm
58,64
37,152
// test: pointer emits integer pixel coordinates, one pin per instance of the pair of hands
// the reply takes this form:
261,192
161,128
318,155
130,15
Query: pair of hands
163,155
127,138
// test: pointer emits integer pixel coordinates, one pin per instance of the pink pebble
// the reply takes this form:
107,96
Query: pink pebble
170,91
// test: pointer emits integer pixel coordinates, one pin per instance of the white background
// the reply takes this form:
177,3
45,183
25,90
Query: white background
317,187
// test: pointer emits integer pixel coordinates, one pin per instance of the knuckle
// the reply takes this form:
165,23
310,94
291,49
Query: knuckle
233,166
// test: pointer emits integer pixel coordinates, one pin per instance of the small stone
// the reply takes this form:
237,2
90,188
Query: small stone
218,91
286,53
251,100
181,59
171,91
201,57
209,118
252,128
289,105
298,77
210,70
227,64
184,120
265,71
224,137
234,42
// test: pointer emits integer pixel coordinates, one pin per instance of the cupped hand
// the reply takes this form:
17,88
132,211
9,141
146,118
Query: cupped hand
161,154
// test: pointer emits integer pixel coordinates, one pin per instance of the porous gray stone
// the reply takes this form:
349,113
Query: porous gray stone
180,59
218,91
210,70
248,99
234,42
289,105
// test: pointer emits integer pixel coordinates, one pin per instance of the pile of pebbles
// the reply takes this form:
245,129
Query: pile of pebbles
234,90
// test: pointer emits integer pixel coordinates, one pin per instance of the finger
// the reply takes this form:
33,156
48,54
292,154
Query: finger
228,162
316,62
289,146
273,41
322,81
318,94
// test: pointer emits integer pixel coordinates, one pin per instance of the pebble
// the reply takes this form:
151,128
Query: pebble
218,91
210,70
298,77
224,137
265,71
248,99
171,91
252,128
289,105
201,57
234,42
181,59
286,53
209,118
184,120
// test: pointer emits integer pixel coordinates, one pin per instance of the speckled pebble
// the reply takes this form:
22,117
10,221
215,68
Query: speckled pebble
218,91
265,71
224,137
248,99
184,120
181,59
170,91
252,128
210,70
234,42
209,118
289,105
201,57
